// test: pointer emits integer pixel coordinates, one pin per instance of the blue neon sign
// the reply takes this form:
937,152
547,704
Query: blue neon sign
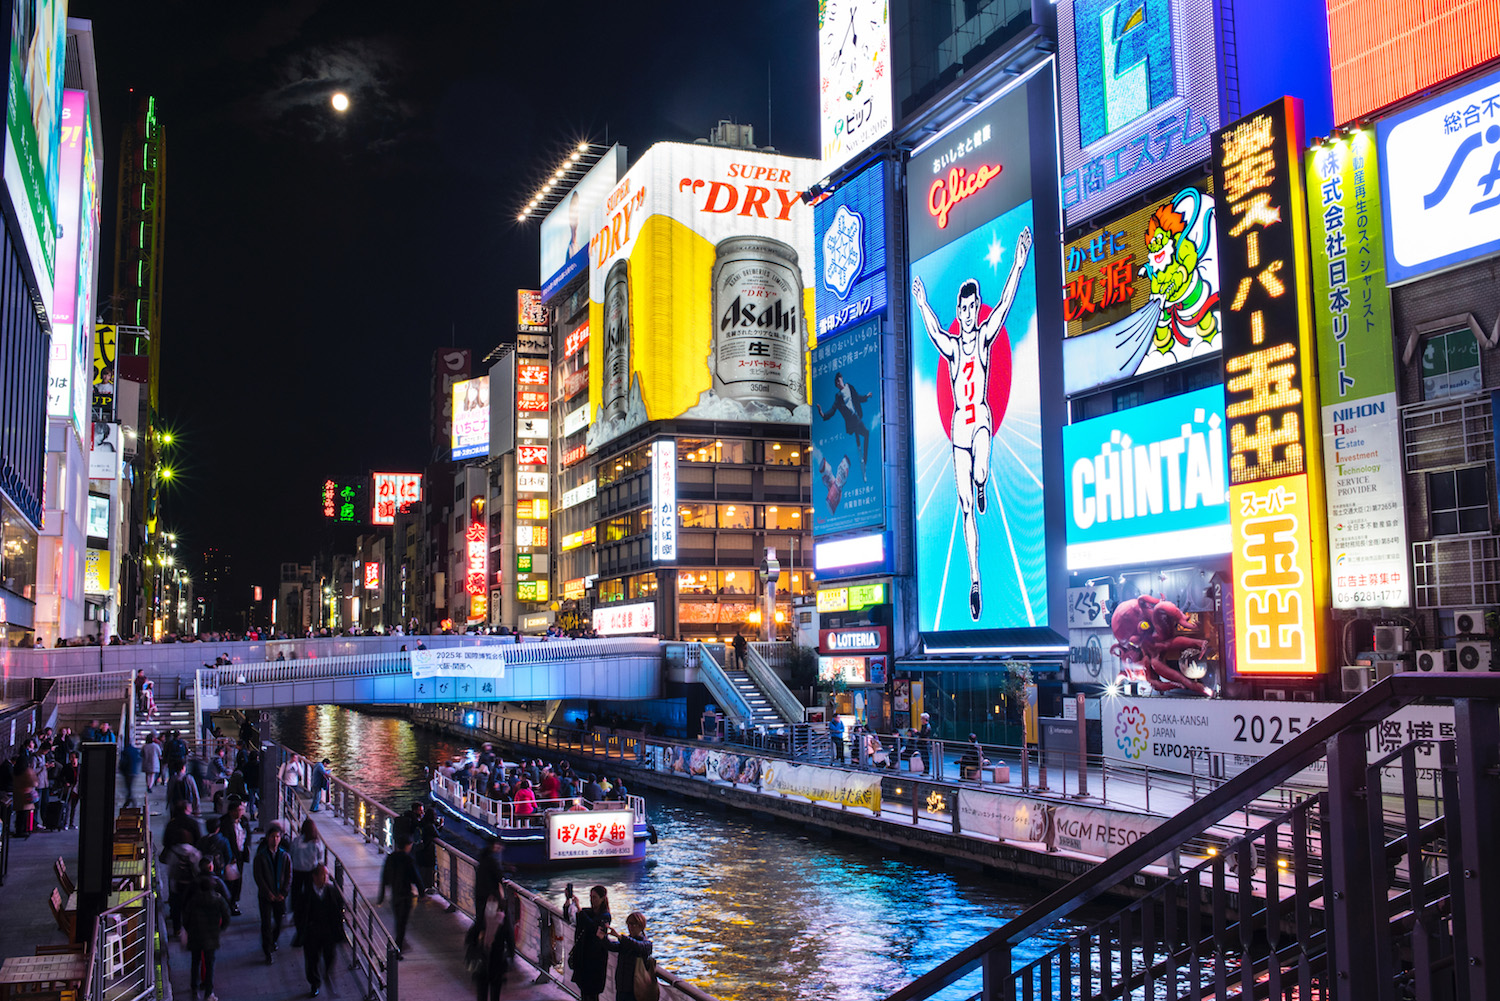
849,252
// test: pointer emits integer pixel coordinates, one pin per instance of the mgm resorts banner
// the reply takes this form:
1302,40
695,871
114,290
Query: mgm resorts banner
1100,833
465,662
831,785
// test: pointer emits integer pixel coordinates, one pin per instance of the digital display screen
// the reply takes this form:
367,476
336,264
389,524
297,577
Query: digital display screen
849,252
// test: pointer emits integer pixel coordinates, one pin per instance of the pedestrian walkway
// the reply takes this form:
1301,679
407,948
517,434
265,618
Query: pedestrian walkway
433,967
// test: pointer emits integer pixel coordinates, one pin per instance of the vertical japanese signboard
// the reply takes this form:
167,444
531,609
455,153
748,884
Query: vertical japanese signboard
477,552
531,312
664,500
394,492
1276,507
1357,376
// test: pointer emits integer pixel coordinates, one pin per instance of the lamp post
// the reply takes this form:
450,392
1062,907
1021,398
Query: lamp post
770,573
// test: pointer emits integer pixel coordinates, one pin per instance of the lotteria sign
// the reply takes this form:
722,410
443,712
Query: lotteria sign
1149,483
861,639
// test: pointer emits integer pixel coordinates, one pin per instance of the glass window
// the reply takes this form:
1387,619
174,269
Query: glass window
642,585
697,581
1450,365
798,582
17,554
785,453
785,518
736,516
618,528
711,449
612,590
737,582
1458,500
695,515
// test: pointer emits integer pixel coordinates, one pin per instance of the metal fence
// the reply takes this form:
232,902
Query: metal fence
1327,900
127,950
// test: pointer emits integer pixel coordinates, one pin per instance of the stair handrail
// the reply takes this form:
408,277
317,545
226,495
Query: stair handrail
712,674
1376,703
787,705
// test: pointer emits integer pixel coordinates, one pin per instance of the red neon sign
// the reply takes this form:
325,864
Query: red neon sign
532,375
478,551
535,455
393,492
947,192
531,401
575,341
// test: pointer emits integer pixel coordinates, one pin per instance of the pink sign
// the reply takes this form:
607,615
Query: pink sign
69,197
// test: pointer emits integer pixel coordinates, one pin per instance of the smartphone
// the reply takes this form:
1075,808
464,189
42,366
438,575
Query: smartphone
568,890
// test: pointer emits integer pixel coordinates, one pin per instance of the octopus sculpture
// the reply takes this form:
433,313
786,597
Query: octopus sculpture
1153,632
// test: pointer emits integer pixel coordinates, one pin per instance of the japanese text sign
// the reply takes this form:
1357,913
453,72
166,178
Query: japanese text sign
1262,228
849,251
393,492
1365,483
531,314
1139,88
1142,293
535,455
1277,597
590,834
1440,181
664,500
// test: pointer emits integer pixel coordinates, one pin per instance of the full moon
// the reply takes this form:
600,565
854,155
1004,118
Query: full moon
340,102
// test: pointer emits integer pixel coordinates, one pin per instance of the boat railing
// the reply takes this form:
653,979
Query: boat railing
500,813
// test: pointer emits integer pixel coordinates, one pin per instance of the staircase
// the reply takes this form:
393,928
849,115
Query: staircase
762,712
1373,889
171,714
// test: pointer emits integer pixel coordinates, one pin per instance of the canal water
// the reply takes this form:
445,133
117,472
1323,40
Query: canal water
748,909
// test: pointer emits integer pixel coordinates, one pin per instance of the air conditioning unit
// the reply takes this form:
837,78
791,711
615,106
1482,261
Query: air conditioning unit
1390,640
1385,668
1433,661
1474,655
1274,694
1358,678
1469,622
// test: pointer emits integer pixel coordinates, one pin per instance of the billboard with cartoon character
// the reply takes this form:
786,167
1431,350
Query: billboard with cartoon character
1142,293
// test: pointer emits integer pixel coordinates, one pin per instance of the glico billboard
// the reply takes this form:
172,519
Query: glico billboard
1271,396
986,388
1139,85
701,290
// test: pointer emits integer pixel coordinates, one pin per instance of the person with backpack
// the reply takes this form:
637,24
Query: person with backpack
635,972
181,859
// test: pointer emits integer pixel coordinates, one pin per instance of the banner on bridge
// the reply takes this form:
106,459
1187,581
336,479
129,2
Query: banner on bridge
462,662
1005,817
831,785
1100,833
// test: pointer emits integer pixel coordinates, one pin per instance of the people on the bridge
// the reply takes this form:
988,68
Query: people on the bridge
497,945
321,927
307,854
206,915
151,761
320,783
273,884
924,742
739,650
973,759
634,947
836,731
590,955
399,875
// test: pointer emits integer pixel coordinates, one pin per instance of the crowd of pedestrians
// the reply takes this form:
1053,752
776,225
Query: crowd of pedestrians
530,787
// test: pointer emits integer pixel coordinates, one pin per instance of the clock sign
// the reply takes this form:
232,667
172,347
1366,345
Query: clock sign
854,51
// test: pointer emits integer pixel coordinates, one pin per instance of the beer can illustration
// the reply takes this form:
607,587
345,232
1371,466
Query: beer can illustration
617,342
760,332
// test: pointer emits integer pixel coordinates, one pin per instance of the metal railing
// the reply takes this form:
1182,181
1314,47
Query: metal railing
711,673
787,705
127,948
372,947
1320,902
544,936
501,813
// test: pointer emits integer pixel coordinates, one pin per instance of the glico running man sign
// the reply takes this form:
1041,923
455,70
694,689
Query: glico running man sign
982,194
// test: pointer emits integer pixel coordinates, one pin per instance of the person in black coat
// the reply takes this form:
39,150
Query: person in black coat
497,944
322,927
591,945
631,946
205,915
425,851
400,876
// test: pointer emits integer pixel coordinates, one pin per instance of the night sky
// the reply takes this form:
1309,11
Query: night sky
315,261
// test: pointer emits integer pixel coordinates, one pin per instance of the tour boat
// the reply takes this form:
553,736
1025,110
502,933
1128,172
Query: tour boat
561,833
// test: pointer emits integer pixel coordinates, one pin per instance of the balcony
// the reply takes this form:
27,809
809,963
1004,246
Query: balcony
1458,431
1457,571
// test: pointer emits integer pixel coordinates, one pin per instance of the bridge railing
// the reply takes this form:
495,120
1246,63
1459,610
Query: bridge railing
1325,900
787,705
711,673
543,934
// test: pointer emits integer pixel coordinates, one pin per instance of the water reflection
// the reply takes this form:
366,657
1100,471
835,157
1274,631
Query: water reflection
747,909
